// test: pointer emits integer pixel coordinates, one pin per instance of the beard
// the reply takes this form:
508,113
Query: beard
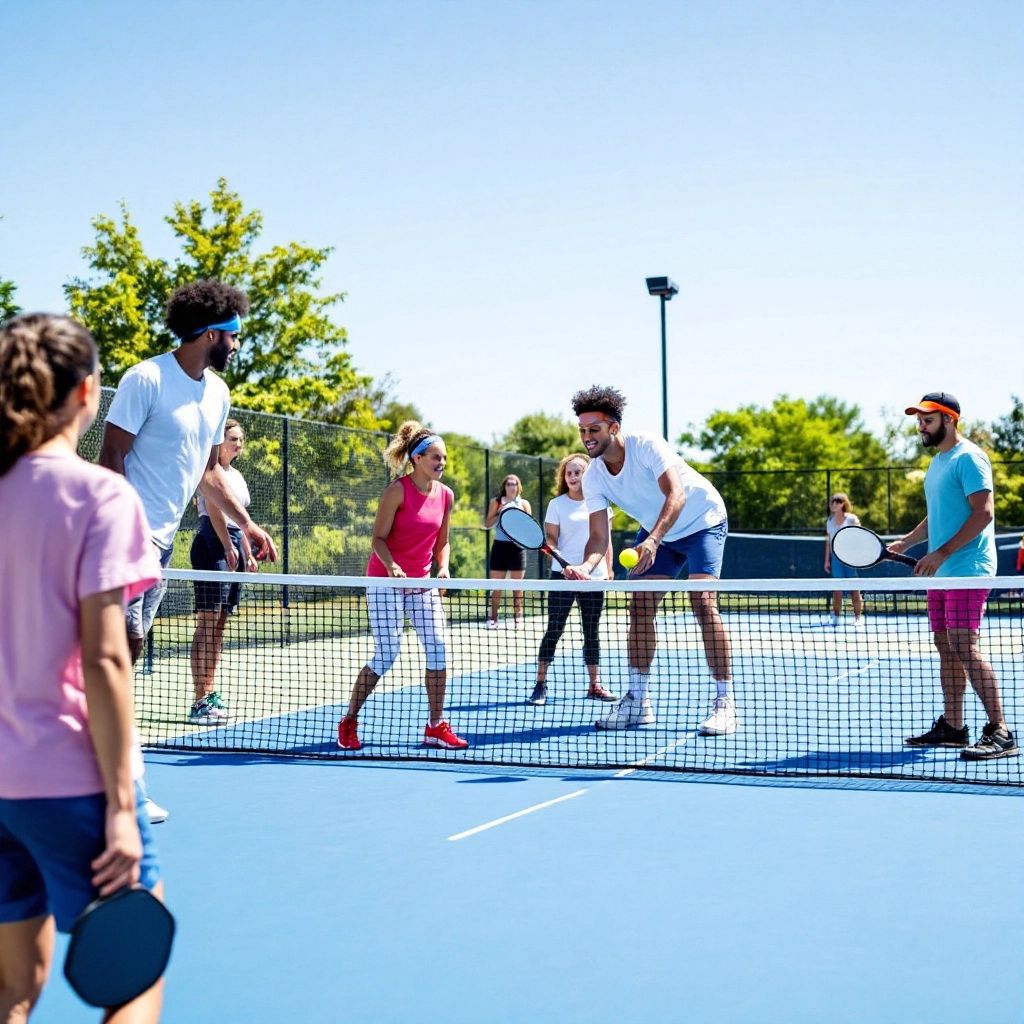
220,354
932,438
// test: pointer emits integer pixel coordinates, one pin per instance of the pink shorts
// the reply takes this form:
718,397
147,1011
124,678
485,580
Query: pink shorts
956,609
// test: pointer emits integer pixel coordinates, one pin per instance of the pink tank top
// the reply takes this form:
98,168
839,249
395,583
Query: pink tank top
414,530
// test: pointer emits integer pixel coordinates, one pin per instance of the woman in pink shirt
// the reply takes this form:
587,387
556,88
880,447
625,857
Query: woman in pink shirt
410,532
74,547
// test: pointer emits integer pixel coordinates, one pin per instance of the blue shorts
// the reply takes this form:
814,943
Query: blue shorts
47,846
700,552
842,571
141,612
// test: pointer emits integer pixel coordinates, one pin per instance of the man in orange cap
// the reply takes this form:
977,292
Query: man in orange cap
960,530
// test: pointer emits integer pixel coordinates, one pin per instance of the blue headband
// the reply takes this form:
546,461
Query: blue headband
425,444
234,325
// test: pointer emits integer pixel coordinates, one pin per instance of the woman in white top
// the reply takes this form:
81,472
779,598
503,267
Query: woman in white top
841,515
567,527
219,546
508,559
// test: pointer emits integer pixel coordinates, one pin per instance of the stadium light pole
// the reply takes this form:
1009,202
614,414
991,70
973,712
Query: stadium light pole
664,288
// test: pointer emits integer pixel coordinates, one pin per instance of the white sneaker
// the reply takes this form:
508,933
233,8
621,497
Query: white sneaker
492,623
628,714
858,622
722,719
155,811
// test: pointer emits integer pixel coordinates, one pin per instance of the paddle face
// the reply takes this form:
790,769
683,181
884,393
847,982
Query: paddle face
119,947
525,531
522,528
859,547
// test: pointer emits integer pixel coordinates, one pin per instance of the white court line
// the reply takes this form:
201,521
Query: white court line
511,817
636,766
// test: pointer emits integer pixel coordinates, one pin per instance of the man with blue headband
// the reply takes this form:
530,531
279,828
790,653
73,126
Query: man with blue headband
164,430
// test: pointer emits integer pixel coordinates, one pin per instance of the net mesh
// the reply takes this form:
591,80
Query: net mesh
812,698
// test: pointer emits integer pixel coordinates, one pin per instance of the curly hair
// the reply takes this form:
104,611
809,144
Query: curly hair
396,455
598,399
43,358
561,487
195,306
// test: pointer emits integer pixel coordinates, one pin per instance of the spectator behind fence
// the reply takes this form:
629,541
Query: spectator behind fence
508,560
841,514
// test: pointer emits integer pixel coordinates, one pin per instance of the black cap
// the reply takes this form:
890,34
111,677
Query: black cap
935,401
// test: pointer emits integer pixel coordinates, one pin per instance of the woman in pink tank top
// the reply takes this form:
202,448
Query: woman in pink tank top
409,533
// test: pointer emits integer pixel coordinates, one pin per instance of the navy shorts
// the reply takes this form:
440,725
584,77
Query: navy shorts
208,553
507,557
701,553
47,846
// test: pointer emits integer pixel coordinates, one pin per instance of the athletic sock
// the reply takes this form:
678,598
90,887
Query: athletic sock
723,687
638,683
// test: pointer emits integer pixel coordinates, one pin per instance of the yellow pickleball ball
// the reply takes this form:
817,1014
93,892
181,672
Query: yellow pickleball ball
628,558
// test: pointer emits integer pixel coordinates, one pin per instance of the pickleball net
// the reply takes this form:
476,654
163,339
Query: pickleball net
812,698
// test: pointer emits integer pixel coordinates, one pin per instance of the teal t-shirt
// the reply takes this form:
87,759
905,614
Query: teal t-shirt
951,477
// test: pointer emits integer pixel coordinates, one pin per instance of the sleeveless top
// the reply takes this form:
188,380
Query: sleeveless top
414,529
499,533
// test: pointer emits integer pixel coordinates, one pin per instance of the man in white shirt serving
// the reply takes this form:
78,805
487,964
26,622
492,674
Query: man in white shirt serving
164,429
683,522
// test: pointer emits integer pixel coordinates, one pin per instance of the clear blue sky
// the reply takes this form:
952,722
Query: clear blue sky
826,181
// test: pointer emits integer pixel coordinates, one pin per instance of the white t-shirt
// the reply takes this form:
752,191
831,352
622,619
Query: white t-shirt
176,420
635,488
573,522
238,487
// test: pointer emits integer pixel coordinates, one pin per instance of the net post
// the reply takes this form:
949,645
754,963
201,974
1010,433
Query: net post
286,494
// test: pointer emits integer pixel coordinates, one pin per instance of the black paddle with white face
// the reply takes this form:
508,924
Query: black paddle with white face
861,548
525,531
119,947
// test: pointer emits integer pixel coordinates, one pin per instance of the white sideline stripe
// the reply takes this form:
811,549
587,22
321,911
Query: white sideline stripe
511,817
636,766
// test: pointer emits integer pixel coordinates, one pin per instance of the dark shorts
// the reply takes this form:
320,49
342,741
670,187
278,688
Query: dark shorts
208,553
46,850
701,553
507,557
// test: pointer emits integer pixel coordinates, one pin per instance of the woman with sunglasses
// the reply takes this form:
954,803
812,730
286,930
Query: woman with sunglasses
840,515
508,559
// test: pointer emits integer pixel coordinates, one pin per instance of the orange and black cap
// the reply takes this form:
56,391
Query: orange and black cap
936,401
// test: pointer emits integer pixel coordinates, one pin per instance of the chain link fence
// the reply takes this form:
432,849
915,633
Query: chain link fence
315,488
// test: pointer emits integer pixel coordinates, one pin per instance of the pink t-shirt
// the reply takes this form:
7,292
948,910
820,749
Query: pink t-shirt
414,530
70,530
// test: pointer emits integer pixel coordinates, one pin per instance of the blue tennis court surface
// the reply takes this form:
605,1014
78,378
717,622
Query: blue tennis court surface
323,891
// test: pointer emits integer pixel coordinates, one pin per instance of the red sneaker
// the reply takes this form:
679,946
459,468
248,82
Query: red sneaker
441,735
347,737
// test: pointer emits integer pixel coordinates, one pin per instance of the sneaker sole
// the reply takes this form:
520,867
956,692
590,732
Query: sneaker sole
1012,752
925,746
718,732
610,699
439,745
538,703
608,727
207,721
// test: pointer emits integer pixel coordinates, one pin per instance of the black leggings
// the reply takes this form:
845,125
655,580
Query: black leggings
559,605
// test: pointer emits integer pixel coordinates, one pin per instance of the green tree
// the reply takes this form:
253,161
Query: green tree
8,307
541,434
292,360
775,465
1008,432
